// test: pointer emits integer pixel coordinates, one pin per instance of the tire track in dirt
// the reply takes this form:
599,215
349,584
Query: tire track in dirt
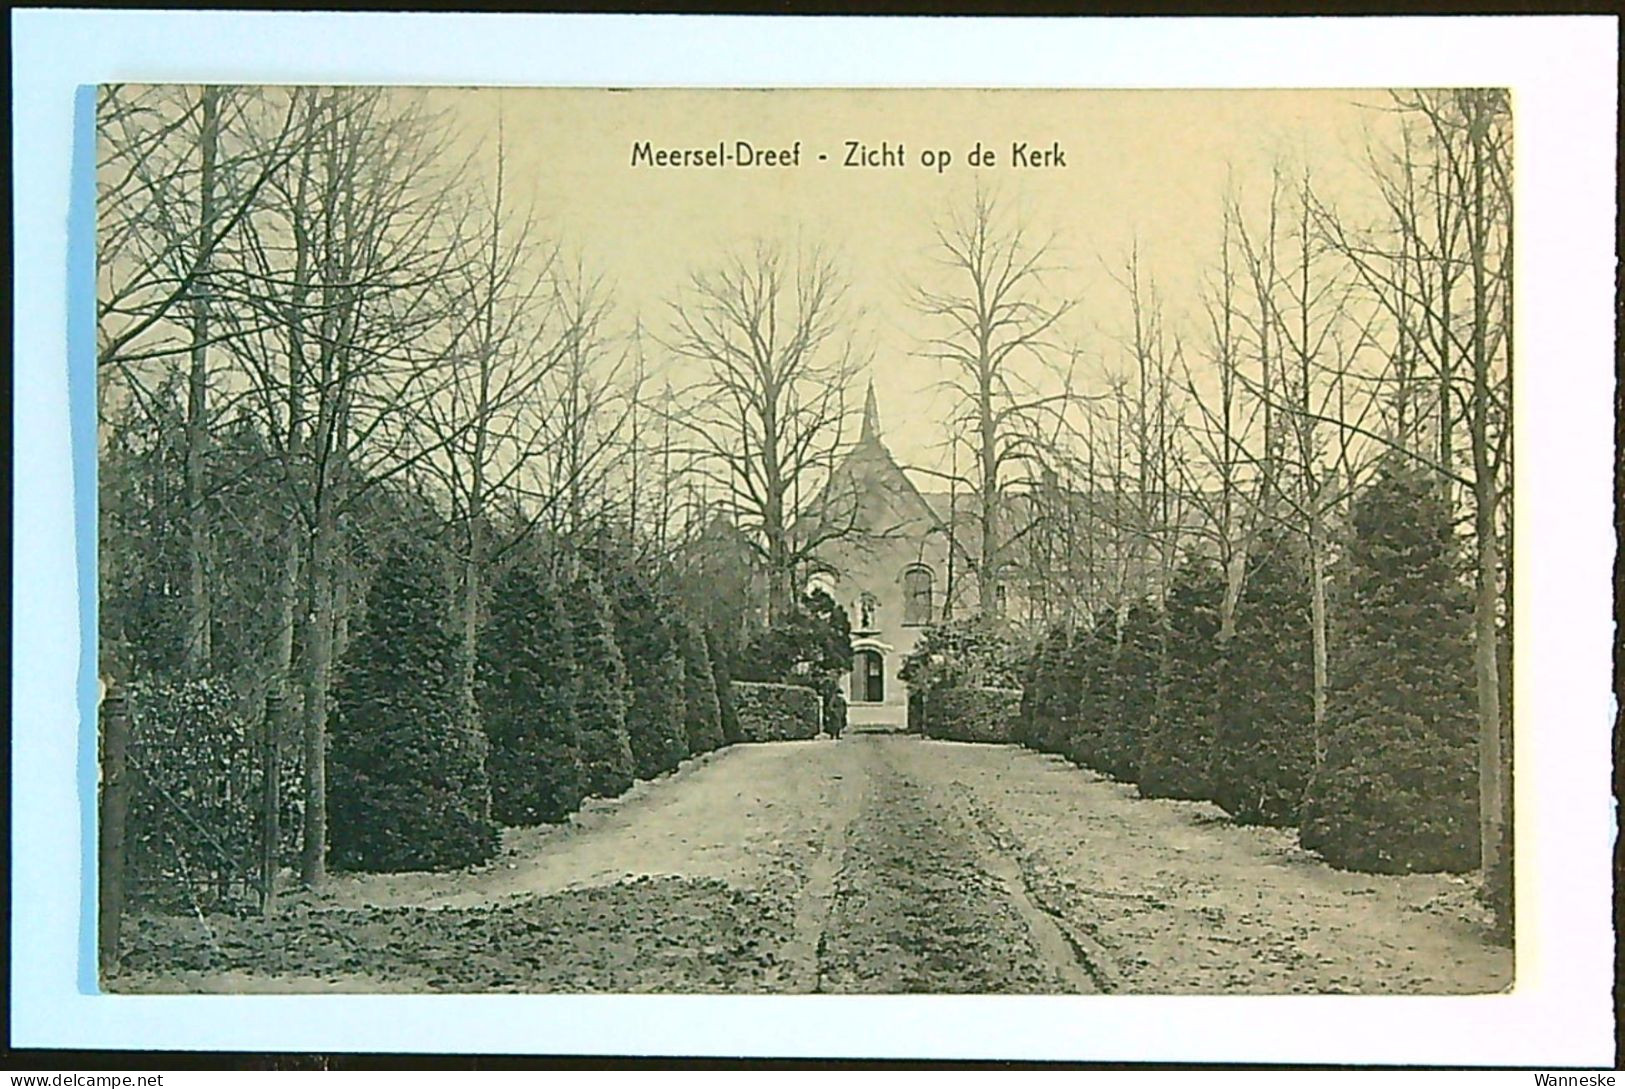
815,900
1005,854
922,905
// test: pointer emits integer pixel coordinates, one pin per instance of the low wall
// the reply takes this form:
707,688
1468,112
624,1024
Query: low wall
776,712
972,714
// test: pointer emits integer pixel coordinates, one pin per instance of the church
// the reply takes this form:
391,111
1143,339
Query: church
895,568
890,557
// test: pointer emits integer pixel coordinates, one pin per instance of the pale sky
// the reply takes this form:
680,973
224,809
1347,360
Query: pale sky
1153,165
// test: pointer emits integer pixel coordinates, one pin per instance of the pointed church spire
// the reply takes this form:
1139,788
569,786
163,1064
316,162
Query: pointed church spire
871,415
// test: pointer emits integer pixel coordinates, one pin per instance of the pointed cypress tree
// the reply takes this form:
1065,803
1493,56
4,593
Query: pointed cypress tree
720,648
1174,757
702,714
407,780
601,690
1136,678
647,636
526,686
1398,789
1094,664
1049,693
1263,748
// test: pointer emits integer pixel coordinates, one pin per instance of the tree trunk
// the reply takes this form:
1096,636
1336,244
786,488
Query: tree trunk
1317,613
988,575
115,794
270,799
197,653
1491,787
318,661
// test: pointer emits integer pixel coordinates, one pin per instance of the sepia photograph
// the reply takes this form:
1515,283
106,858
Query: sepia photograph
804,541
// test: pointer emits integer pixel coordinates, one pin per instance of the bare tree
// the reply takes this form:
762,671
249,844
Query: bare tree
345,265
488,426
1219,428
1441,267
772,336
174,194
993,311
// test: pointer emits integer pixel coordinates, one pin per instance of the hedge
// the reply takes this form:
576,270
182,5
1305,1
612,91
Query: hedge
776,712
1263,747
196,790
963,713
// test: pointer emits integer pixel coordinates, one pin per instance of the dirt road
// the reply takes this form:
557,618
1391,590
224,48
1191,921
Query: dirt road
875,864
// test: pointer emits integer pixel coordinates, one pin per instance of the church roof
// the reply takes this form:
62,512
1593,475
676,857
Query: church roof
869,491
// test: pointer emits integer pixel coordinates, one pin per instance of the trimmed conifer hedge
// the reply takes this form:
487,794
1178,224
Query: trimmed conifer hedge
702,714
601,690
776,712
647,633
1175,755
1049,694
406,770
1094,667
527,685
1135,680
1263,748
1398,788
721,650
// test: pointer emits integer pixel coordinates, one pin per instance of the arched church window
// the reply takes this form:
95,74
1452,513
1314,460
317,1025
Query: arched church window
917,595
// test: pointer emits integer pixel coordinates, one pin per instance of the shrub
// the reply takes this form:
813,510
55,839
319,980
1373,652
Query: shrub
963,713
1049,692
1398,788
526,687
814,642
776,712
1083,738
1263,747
720,648
193,820
647,634
1136,678
1174,758
601,690
408,787
702,713
973,652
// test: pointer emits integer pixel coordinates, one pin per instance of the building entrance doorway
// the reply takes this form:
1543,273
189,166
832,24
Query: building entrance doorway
868,677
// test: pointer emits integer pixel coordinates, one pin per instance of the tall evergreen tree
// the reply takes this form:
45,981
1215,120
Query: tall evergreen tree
1174,758
1264,747
526,685
1094,664
1397,790
720,646
601,690
1049,691
407,779
1136,678
702,714
647,635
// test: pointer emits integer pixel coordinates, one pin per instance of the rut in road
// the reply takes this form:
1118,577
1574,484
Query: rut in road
915,909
